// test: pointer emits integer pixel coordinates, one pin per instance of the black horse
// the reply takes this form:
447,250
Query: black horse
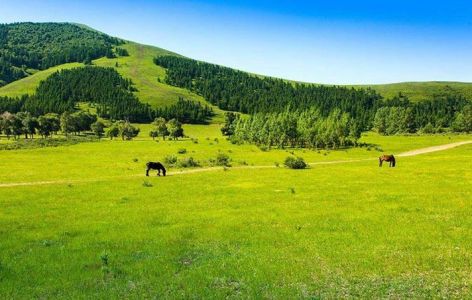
387,158
155,166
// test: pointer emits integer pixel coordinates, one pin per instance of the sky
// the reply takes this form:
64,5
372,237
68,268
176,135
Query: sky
330,41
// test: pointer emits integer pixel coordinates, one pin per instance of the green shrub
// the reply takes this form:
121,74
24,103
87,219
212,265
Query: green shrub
189,162
170,160
182,151
295,162
223,159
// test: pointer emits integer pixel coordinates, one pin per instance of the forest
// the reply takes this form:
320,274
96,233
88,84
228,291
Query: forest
234,90
39,46
111,94
239,91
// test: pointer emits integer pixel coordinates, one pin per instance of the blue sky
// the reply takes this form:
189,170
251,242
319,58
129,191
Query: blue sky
336,42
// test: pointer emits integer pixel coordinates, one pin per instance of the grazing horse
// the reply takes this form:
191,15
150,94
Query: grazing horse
389,158
155,166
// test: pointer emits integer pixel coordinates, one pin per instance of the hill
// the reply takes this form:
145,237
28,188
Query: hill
162,85
420,91
26,47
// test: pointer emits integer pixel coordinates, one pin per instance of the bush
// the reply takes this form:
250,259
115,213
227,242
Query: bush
182,151
295,162
188,163
427,129
170,160
223,159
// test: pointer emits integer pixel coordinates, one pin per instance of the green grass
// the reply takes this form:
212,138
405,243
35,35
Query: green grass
332,231
29,84
419,91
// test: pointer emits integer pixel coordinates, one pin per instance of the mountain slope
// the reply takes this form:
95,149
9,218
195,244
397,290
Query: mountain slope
26,47
420,91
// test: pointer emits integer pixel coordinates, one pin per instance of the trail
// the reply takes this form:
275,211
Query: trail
210,169
433,149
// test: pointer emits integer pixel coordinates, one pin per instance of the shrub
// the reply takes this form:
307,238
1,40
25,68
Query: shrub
264,148
170,160
427,129
223,159
188,163
147,184
295,162
182,151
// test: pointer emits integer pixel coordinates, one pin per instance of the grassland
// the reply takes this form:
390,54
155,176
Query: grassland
334,230
29,84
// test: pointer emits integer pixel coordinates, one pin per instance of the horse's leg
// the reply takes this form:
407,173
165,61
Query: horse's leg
380,162
164,172
158,172
147,172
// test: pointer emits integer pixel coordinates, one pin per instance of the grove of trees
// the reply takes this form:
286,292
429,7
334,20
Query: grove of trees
39,46
294,128
172,129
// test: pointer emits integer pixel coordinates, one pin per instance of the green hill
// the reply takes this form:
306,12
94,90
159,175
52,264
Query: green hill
419,91
148,78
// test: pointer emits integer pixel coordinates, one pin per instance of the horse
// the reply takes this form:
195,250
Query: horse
390,158
155,166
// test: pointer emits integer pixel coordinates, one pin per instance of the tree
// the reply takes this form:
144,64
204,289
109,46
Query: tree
16,125
6,121
463,120
67,123
154,134
46,125
54,122
161,127
381,119
127,131
230,122
82,121
98,128
113,131
30,124
175,129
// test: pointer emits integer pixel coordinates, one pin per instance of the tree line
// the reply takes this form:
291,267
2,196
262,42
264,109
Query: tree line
40,46
108,91
293,128
27,125
399,115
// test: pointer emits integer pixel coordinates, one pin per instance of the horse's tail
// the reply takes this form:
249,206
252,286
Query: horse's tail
393,161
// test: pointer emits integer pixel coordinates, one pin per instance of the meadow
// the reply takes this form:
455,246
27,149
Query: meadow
87,223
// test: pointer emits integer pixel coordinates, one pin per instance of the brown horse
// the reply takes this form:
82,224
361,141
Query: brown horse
389,158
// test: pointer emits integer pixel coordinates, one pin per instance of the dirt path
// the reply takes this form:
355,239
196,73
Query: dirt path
433,149
209,169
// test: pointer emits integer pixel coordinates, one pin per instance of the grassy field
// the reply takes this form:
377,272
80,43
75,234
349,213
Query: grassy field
94,230
29,84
